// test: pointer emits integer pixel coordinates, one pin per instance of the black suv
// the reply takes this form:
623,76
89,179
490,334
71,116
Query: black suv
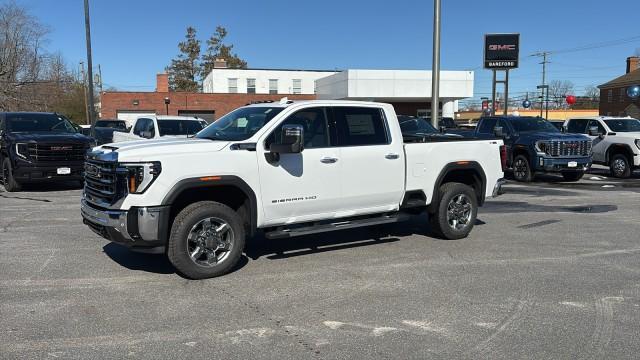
534,145
38,147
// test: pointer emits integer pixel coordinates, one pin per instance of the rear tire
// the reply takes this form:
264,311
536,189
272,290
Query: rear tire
619,166
522,169
207,240
572,175
10,184
456,212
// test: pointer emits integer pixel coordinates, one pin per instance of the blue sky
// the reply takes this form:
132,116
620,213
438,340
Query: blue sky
134,40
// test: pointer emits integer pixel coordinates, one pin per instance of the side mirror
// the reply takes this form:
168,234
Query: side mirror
443,129
498,131
593,131
292,140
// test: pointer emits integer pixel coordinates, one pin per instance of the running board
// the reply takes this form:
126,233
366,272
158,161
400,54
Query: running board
338,224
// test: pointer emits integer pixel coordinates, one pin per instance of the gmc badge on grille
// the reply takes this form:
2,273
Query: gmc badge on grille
61,148
92,170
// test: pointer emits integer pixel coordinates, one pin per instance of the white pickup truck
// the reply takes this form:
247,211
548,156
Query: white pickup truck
160,126
288,169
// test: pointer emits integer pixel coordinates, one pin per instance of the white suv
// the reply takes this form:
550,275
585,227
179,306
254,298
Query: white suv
616,141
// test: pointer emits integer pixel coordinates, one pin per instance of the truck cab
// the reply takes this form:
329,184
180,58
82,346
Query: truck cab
534,145
616,141
159,127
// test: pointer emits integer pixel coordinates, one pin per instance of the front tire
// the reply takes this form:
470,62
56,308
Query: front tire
522,169
619,166
10,184
572,175
456,212
207,240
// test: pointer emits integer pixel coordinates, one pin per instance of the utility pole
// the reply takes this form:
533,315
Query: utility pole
435,72
84,87
87,26
544,95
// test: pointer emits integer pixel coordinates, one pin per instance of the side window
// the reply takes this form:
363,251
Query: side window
139,126
358,126
596,123
577,126
315,125
505,127
151,128
487,125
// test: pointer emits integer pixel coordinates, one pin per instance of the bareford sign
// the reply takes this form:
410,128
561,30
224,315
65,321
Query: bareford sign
501,51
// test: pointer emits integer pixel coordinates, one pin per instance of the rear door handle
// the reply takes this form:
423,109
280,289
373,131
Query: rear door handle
392,156
328,160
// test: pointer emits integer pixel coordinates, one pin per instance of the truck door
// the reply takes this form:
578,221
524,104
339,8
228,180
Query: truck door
305,186
599,145
373,164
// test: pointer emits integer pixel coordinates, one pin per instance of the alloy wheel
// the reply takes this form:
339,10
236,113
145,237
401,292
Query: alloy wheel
520,169
210,241
619,166
459,211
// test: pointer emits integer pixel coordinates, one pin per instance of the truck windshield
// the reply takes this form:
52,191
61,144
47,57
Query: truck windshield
624,125
21,123
239,124
179,127
413,125
524,124
111,124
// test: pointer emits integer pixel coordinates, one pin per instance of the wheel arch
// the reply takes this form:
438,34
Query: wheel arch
228,189
624,149
466,172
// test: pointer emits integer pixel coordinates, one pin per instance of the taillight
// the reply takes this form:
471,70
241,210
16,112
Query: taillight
503,157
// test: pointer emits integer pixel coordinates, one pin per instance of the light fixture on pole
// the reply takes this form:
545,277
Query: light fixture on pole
167,101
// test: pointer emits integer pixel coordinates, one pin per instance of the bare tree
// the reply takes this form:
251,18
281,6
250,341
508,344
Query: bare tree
558,89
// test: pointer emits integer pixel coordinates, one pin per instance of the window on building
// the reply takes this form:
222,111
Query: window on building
610,96
251,86
297,86
273,86
622,94
233,86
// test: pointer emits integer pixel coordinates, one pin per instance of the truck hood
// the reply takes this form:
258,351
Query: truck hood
151,150
49,137
635,135
553,136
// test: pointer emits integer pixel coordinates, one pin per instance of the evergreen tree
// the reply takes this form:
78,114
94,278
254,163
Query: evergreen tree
218,49
185,70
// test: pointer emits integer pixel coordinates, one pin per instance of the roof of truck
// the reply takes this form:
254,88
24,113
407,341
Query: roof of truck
286,103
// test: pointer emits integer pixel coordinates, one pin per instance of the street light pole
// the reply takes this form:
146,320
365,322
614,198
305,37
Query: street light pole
435,72
87,26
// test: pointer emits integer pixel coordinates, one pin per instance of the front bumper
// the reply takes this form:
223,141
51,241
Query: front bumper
142,229
549,164
25,173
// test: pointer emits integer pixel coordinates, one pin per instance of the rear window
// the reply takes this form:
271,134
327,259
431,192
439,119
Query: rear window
358,126
179,127
38,123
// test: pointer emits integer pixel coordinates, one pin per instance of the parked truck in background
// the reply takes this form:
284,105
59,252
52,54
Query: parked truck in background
287,169
160,126
616,141
40,147
534,145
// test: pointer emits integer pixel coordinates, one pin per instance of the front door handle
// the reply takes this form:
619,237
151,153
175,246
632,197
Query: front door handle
328,160
392,156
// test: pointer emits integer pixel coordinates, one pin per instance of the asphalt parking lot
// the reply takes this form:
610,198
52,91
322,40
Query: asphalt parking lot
552,270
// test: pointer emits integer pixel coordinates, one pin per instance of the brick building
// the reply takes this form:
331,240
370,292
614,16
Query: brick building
129,105
613,94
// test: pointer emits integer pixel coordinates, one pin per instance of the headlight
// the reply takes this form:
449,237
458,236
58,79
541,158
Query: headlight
638,143
22,150
141,175
541,146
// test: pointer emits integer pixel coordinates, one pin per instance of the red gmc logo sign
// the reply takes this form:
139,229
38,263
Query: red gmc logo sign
502,47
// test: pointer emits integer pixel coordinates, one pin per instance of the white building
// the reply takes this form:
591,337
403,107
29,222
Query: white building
408,90
262,81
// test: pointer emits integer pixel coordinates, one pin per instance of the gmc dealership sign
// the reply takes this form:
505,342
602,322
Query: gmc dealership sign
501,51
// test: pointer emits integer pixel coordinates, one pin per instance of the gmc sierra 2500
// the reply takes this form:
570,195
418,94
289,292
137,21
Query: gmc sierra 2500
288,168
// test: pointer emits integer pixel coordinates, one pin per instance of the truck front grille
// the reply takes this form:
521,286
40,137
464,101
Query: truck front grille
103,185
57,152
564,148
